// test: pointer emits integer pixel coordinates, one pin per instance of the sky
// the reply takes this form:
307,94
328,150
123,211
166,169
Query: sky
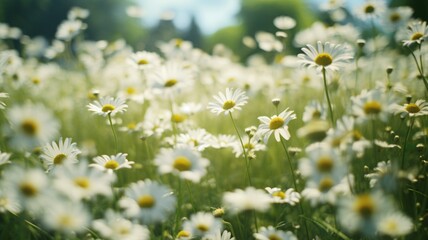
211,15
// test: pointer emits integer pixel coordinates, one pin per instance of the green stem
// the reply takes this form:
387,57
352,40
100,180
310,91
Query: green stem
179,204
295,186
328,98
412,121
114,132
420,69
247,164
229,225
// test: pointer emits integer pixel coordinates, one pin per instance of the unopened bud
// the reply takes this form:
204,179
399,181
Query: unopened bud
361,43
389,70
218,213
276,101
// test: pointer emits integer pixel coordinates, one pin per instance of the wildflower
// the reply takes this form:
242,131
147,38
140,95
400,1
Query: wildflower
371,104
277,124
251,145
227,103
111,163
319,193
8,201
267,42
29,187
149,201
416,33
248,199
3,95
114,226
371,9
68,217
69,29
30,126
268,233
220,236
290,196
145,60
78,181
77,12
197,139
184,162
382,176
170,76
314,111
108,106
284,22
365,211
417,109
202,225
4,158
56,154
394,18
394,224
327,56
322,166
224,141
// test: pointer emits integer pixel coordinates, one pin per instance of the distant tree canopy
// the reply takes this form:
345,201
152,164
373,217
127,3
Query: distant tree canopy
255,16
107,19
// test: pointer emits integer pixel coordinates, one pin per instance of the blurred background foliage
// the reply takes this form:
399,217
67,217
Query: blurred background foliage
109,21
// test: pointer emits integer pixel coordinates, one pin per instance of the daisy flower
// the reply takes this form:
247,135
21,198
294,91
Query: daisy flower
184,162
56,154
416,32
317,193
251,146
314,111
268,233
417,109
197,139
144,60
394,18
30,126
149,201
365,210
278,196
78,181
202,224
284,22
326,56
108,106
114,226
371,9
248,199
3,95
69,29
68,217
8,201
220,236
277,124
228,102
371,104
394,224
111,163
171,75
4,158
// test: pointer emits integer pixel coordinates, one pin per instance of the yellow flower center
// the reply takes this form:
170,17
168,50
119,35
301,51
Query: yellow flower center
28,189
142,62
183,233
248,146
30,127
178,42
316,114
58,159
416,36
170,82
276,122
325,164
323,59
108,108
111,164
182,163
130,90
124,231
372,107
356,135
146,201
202,227
228,104
178,118
274,237
369,9
279,194
412,108
82,182
35,80
65,221
391,225
395,17
325,184
364,205
131,126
